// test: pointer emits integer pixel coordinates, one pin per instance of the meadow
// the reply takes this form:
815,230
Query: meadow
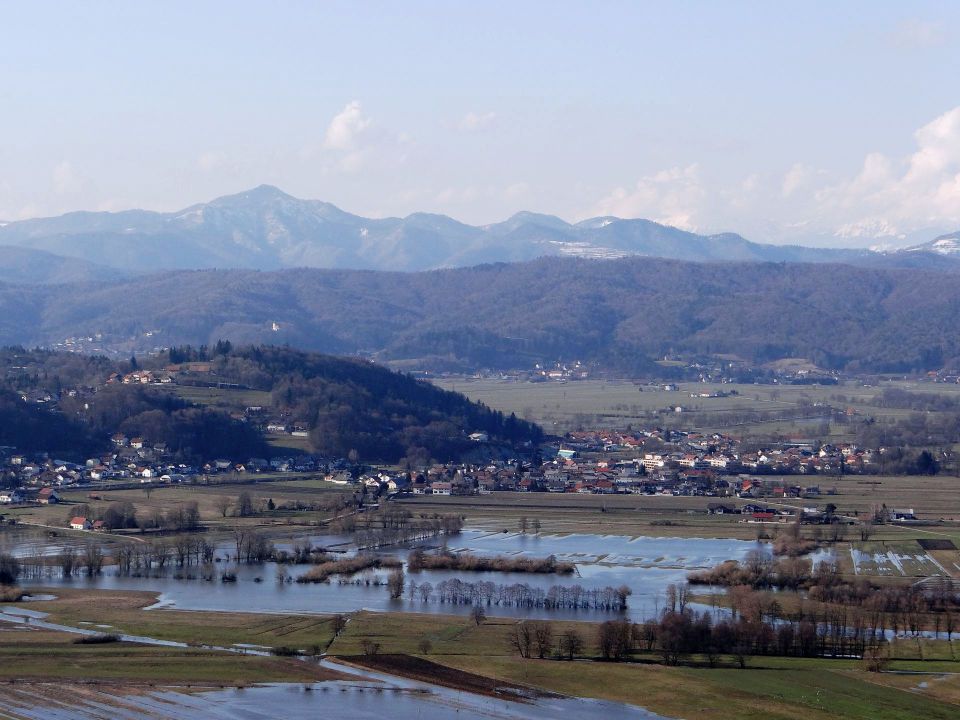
616,404
769,687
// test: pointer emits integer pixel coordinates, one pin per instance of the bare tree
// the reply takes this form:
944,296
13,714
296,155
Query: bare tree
240,536
395,583
337,624
543,637
369,647
520,638
478,615
244,505
570,644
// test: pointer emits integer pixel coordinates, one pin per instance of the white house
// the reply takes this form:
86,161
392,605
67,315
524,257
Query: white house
80,523
11,497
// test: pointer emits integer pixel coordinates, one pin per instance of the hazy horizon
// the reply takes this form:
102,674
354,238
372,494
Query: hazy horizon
813,125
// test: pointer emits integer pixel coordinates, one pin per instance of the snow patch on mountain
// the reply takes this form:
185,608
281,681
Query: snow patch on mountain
943,245
588,250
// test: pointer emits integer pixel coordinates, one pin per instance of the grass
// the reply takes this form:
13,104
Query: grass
770,688
561,407
280,487
123,612
43,655
787,688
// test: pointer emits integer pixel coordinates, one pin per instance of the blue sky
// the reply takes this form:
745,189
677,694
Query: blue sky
818,123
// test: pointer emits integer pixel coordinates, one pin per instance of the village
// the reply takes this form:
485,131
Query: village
641,462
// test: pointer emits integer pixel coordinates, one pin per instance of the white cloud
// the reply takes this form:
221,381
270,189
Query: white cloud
472,122
914,34
897,196
353,142
797,177
886,197
875,228
346,128
671,197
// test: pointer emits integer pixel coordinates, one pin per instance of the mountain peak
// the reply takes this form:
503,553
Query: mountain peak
259,194
948,244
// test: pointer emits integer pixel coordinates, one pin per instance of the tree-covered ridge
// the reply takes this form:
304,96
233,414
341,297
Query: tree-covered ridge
622,314
352,404
348,407
61,403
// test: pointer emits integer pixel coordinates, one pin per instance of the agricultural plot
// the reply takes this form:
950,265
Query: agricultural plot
902,559
561,407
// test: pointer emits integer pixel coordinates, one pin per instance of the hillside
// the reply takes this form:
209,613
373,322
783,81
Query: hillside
944,246
73,404
622,313
22,265
267,229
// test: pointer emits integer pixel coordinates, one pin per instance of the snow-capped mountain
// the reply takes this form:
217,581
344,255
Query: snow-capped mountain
267,229
948,245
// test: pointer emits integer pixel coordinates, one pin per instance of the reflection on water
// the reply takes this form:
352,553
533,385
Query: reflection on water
343,700
646,565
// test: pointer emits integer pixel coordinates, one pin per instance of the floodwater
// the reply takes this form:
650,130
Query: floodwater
344,700
646,565
368,694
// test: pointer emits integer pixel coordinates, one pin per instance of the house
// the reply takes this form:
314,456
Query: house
480,437
11,497
99,526
48,496
721,509
80,523
604,487
901,514
441,488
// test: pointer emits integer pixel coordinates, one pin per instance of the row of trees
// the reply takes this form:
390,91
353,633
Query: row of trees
88,560
420,560
677,634
184,517
576,597
371,537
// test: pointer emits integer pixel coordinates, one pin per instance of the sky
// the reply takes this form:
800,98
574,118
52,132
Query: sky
818,123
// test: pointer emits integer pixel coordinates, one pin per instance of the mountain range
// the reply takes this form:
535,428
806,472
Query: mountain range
621,313
267,229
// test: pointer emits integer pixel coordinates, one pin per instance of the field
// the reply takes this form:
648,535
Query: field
42,655
212,500
561,407
676,516
768,688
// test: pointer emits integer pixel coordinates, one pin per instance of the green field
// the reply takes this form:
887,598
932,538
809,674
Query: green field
615,404
769,687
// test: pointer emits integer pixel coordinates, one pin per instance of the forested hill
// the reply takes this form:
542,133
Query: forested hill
620,312
72,404
350,404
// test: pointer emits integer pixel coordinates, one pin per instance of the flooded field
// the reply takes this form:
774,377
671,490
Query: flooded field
899,560
370,697
645,565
